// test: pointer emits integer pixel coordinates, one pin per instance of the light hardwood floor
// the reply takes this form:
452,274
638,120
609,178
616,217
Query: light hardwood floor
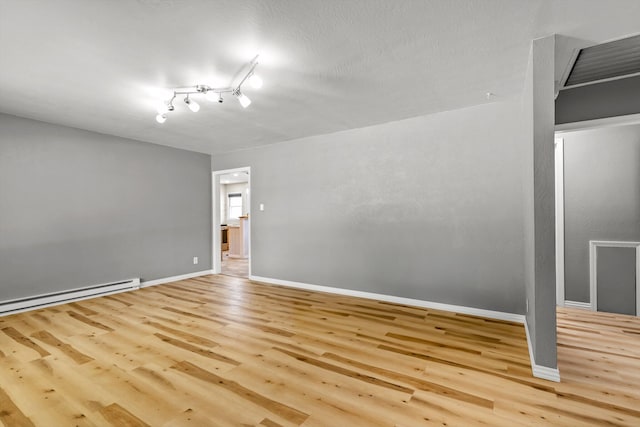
238,267
601,352
222,351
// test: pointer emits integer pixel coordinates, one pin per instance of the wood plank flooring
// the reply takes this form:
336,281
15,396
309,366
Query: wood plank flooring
222,351
601,351
237,267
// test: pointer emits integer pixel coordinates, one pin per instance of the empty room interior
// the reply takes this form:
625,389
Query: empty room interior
319,213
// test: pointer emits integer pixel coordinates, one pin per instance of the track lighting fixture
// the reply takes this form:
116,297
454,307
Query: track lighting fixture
242,98
211,93
214,96
165,107
193,105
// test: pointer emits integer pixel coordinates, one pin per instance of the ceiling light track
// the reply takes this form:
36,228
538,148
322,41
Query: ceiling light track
212,93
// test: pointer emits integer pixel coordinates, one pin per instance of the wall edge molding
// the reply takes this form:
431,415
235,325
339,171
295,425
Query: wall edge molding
545,373
578,304
539,371
170,279
593,267
498,315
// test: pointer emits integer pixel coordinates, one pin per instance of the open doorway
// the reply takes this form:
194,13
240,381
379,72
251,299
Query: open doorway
598,216
598,253
231,222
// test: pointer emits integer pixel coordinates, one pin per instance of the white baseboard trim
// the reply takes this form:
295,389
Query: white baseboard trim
63,297
538,371
578,304
545,373
499,315
164,280
551,374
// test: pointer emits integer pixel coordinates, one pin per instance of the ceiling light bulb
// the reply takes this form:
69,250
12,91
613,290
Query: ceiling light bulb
161,118
244,99
255,81
193,105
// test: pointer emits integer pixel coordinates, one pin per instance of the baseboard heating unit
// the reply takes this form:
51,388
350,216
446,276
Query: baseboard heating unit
46,300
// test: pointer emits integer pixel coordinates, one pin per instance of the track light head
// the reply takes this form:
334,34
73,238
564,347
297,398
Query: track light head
165,107
161,118
214,96
242,98
193,105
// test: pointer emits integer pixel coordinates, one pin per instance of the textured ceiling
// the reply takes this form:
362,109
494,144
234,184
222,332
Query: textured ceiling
327,65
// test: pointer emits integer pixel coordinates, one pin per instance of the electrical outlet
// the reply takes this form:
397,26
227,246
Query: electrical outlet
195,259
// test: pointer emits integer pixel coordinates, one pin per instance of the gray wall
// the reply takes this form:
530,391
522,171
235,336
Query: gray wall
599,100
539,200
602,197
427,208
616,279
79,208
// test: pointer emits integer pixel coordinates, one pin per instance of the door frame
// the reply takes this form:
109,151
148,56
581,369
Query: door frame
559,178
216,237
560,129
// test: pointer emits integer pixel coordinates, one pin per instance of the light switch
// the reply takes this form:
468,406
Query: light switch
261,206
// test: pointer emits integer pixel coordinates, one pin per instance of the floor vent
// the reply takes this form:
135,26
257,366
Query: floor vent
46,300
